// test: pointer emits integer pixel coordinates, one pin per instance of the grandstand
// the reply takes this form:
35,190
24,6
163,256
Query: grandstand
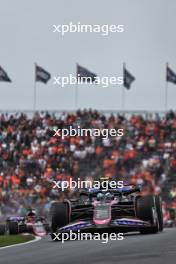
31,158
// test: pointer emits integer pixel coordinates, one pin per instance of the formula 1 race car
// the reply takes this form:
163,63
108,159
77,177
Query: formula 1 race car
120,209
30,224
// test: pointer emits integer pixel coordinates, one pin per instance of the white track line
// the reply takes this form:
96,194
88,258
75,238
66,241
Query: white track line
23,243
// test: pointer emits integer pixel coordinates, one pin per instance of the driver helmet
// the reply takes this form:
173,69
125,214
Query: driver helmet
100,196
31,214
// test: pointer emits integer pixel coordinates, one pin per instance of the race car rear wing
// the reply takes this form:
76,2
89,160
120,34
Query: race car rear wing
125,190
15,218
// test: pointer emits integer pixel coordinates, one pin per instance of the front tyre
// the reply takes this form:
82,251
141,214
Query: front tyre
59,217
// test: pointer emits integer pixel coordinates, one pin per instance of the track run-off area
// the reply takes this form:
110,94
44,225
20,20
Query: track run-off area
133,249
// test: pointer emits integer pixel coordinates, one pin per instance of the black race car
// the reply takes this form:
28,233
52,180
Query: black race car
120,209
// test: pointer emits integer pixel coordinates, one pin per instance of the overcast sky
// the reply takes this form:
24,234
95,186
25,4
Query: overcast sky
148,42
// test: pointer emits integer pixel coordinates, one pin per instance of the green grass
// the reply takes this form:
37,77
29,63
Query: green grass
8,240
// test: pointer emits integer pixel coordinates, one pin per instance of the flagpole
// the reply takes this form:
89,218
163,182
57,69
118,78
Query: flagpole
166,90
76,89
76,96
35,91
123,91
123,98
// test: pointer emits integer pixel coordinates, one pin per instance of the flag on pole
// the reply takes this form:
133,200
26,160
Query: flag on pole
82,73
4,76
170,75
128,78
41,75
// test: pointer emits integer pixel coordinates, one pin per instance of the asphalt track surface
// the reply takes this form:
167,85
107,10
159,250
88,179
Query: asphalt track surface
151,249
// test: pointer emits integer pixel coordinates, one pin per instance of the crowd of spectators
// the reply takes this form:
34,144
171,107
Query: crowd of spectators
31,157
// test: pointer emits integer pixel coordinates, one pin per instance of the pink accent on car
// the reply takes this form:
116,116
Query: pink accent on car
103,220
41,234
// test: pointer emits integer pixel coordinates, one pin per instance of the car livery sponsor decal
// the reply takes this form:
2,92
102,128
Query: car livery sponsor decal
76,226
128,221
15,218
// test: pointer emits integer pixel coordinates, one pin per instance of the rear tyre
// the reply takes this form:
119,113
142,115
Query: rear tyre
2,229
146,210
59,217
13,228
